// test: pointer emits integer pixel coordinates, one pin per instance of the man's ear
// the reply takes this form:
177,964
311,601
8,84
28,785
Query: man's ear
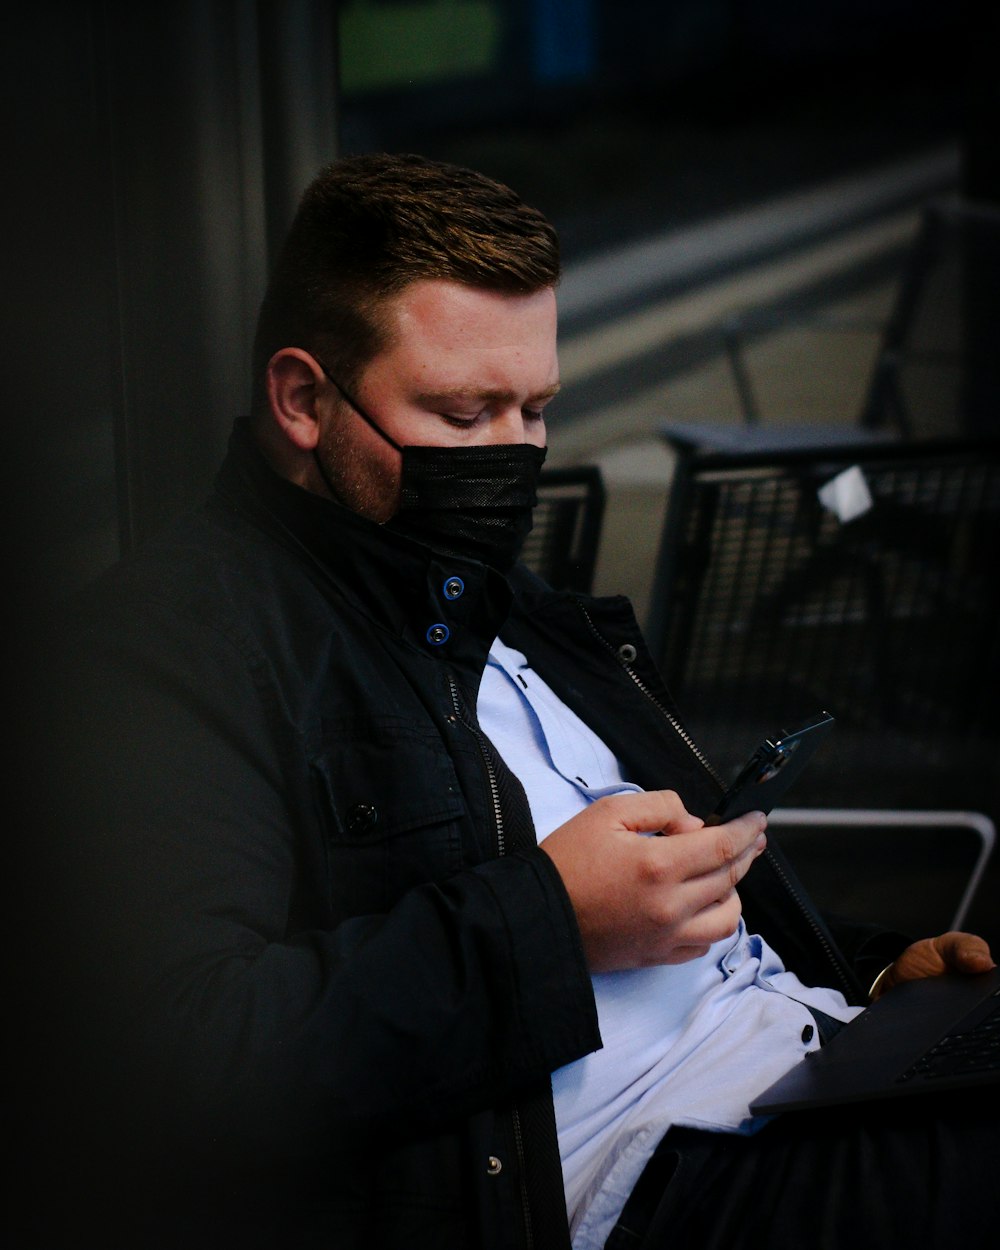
291,381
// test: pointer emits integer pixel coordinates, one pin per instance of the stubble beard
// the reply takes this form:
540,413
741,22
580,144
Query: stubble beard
362,482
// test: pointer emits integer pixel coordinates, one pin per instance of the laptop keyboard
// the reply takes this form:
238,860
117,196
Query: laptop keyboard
971,1050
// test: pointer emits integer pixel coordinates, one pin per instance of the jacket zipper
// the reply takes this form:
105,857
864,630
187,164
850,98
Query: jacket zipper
672,720
501,844
529,1237
686,738
456,703
831,956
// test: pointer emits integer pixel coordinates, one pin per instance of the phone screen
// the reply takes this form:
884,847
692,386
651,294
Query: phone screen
766,777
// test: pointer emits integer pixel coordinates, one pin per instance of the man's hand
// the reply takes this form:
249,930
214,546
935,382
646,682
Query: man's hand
641,901
933,957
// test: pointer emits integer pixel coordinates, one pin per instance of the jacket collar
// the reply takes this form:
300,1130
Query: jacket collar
399,583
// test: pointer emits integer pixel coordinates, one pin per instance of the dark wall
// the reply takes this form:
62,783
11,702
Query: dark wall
143,189
62,324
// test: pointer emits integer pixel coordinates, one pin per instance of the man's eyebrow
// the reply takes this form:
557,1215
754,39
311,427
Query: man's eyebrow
466,394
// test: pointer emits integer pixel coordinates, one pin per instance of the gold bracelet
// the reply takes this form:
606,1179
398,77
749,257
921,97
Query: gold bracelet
877,983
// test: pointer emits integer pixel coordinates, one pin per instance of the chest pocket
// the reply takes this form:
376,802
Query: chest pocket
392,807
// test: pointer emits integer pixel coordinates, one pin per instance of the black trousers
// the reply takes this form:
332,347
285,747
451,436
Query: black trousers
920,1173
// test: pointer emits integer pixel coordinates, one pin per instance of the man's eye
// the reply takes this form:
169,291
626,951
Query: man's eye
459,422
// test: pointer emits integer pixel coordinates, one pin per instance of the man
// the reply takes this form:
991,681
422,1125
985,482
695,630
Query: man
355,820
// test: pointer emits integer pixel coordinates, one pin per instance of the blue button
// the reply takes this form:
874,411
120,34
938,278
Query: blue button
454,588
437,634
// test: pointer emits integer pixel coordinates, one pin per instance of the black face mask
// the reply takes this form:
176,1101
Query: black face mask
474,502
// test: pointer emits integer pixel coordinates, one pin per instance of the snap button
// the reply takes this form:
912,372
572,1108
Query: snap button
493,1166
361,817
454,588
437,634
627,653
807,1033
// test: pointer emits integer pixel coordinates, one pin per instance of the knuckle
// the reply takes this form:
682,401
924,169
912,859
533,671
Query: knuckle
737,871
653,866
726,849
720,921
731,912
663,915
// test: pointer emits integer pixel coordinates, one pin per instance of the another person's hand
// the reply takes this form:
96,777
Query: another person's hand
933,957
641,901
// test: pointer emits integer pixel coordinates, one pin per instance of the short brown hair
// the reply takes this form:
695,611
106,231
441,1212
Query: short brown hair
370,225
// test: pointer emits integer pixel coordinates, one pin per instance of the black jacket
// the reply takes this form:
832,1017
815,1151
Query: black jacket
314,971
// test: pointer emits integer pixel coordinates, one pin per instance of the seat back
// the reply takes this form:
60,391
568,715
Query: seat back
768,606
562,546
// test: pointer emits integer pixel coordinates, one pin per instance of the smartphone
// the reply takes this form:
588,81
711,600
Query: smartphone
773,767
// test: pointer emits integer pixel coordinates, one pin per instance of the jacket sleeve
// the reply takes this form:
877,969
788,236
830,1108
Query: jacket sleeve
206,983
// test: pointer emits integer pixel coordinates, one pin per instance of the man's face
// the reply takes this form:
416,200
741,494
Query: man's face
463,366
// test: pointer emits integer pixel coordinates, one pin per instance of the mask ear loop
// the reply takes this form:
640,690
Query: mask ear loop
349,399
353,403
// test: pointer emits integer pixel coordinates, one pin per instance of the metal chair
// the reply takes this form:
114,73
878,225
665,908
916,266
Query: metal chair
562,545
915,871
771,601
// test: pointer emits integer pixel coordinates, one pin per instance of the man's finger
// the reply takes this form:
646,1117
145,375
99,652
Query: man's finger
720,851
653,811
964,952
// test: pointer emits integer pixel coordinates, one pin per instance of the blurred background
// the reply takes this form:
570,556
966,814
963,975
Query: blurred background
158,152
742,188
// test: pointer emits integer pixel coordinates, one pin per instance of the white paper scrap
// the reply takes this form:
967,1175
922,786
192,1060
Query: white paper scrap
847,495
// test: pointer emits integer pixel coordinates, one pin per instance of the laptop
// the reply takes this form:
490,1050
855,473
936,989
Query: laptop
941,1033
